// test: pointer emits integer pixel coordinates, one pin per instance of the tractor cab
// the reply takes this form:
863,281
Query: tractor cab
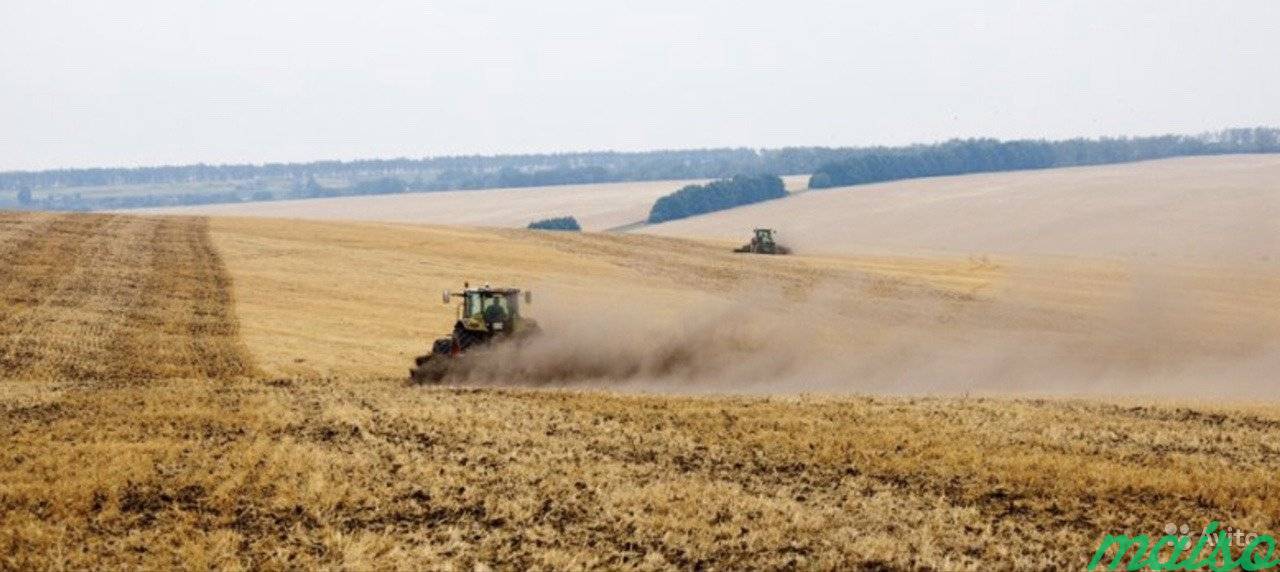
764,238
763,242
494,306
488,309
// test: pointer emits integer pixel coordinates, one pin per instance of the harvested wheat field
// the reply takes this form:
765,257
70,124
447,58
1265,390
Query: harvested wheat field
688,408
120,298
340,299
596,206
368,474
1166,211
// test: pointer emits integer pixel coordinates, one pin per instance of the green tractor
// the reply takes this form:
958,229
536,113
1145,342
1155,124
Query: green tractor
763,243
485,315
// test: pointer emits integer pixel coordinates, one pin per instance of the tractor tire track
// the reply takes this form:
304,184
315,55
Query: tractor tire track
115,298
186,315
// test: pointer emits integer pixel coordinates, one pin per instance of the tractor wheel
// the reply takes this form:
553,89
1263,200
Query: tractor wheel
442,346
468,339
430,370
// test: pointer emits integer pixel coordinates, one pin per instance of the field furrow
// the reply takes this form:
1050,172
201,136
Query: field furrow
92,297
17,229
185,318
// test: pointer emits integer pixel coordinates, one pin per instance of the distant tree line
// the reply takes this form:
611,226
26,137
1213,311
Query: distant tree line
987,155
76,201
99,189
557,223
462,172
102,189
379,186
716,195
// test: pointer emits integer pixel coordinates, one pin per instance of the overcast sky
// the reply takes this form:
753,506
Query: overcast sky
126,83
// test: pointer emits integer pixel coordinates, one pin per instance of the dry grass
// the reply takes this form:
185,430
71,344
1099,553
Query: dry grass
326,462
341,299
100,297
347,299
369,474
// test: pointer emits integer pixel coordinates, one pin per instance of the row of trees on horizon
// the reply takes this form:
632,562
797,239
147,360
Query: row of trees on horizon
990,155
459,173
68,189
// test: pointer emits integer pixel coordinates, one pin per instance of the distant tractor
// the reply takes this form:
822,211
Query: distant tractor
485,315
763,243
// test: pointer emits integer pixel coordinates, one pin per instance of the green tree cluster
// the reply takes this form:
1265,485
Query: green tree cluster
558,223
716,195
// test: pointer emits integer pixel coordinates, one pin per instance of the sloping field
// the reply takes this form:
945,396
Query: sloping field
320,298
597,207
321,456
102,297
1197,208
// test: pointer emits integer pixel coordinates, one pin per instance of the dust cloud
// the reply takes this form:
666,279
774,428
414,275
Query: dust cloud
1155,335
701,349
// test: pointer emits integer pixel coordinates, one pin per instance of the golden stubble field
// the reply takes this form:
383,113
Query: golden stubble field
858,412
338,299
117,298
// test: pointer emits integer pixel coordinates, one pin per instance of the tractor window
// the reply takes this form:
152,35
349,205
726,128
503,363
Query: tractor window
474,304
496,308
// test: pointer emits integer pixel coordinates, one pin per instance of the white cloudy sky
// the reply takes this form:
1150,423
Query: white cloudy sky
124,83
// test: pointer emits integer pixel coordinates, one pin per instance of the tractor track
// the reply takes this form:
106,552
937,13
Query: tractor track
114,298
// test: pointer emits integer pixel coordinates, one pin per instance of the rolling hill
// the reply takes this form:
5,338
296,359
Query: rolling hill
1198,208
1184,209
330,298
230,393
